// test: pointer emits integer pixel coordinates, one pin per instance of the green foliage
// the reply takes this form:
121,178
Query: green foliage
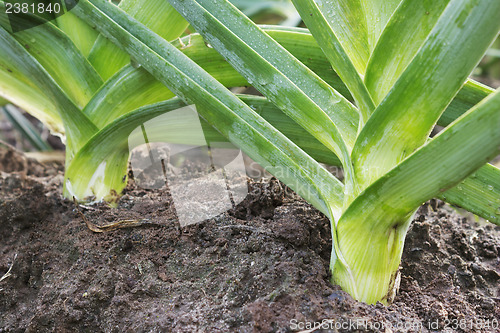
362,88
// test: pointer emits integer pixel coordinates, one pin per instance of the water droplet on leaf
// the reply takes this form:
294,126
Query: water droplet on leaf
263,81
134,63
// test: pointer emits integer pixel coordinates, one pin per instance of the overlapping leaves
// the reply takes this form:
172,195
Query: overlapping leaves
277,71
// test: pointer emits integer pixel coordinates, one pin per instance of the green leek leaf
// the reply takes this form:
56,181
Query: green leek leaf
233,118
404,119
358,25
132,88
157,15
319,22
478,193
77,126
276,73
379,217
57,54
400,42
16,88
83,35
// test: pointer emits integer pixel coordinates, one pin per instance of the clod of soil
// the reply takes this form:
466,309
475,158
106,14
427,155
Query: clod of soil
262,267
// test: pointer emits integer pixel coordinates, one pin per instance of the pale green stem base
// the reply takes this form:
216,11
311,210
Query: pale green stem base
369,270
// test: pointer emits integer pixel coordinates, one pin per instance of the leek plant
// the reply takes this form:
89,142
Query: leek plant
362,88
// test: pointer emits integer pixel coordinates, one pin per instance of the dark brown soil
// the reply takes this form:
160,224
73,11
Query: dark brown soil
262,267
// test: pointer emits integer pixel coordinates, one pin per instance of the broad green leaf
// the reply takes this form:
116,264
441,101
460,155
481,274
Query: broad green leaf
358,25
474,185
318,16
157,15
438,166
3,101
25,128
434,168
479,193
291,130
471,93
379,216
400,42
17,89
58,56
302,45
404,119
77,126
132,88
275,72
80,32
377,14
351,28
113,140
279,76
228,114
127,90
